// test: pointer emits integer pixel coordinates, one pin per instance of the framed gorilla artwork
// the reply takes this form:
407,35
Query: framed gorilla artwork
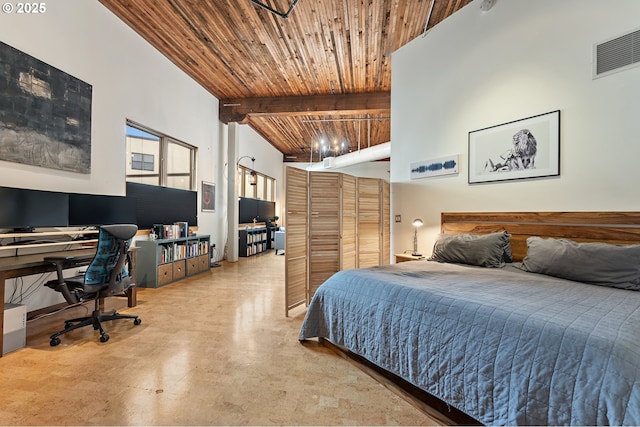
525,148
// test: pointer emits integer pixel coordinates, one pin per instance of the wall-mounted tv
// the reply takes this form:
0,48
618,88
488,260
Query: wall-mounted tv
96,209
163,205
22,209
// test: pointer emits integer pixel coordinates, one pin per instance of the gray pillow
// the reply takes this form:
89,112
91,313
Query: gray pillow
485,250
601,264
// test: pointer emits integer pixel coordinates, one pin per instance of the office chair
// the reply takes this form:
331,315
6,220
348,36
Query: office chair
107,275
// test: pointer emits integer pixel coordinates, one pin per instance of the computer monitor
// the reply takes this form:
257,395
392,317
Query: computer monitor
97,209
22,209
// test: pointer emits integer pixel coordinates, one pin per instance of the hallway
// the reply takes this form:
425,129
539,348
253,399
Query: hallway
213,349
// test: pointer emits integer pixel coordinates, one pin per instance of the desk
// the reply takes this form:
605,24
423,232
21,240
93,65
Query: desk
26,265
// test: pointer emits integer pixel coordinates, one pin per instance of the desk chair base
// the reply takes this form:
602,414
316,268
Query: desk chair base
95,320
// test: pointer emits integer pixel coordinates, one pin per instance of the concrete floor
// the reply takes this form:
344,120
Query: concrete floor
213,349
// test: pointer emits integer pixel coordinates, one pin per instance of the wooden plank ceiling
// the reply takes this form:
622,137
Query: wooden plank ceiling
323,74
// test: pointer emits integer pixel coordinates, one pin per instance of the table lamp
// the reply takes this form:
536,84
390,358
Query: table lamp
416,223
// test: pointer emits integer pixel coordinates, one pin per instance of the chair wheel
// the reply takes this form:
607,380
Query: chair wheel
54,342
137,321
104,337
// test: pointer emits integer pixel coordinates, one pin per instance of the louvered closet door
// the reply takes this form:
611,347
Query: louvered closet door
348,256
369,222
324,227
386,223
296,195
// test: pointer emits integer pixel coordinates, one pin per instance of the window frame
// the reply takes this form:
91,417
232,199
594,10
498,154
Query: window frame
243,172
163,175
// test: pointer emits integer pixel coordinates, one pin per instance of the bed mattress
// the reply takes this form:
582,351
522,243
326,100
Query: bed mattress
504,346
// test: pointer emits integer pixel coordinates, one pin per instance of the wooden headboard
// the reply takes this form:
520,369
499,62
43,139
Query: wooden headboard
610,227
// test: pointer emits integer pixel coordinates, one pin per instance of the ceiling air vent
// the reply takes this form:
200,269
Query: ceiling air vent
617,54
328,162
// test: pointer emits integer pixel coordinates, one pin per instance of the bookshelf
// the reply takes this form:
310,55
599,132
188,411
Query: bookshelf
252,241
164,261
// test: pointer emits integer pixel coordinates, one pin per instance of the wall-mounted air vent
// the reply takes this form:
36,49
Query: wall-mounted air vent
617,54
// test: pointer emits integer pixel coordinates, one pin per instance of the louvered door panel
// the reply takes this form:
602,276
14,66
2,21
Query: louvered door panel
369,217
386,223
296,222
348,234
324,227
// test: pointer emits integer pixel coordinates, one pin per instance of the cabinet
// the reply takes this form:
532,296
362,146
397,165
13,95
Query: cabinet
252,241
164,261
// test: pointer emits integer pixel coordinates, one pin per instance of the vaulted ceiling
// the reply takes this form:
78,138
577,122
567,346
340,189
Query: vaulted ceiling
299,72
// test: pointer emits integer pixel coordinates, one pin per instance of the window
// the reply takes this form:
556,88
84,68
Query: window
264,188
270,189
260,187
180,160
156,159
142,162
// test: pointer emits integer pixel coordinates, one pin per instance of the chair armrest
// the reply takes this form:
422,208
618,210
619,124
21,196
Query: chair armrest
59,262
62,262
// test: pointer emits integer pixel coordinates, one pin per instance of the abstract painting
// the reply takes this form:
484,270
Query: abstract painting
45,114
435,167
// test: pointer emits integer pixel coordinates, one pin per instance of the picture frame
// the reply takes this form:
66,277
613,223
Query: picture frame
46,114
208,197
521,149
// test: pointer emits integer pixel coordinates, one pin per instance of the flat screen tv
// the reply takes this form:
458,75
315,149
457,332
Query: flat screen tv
249,208
162,205
22,209
96,210
266,210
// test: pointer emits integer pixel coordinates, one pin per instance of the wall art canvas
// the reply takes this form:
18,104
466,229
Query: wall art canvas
45,114
208,197
435,167
526,148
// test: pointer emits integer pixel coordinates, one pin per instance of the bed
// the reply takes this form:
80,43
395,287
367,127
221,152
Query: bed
518,344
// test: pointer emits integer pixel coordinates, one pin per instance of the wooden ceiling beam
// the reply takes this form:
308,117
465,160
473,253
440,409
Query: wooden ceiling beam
237,110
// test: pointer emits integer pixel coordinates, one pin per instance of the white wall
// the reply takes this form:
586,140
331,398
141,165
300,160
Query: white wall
268,160
522,58
130,79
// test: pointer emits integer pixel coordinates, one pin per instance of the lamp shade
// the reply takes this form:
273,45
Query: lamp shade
417,222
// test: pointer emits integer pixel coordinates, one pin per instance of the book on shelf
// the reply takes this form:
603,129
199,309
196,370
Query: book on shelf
171,231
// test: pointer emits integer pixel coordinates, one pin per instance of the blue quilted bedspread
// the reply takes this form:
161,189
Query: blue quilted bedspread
502,345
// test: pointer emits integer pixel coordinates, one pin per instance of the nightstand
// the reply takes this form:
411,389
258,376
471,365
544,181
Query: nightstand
407,257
